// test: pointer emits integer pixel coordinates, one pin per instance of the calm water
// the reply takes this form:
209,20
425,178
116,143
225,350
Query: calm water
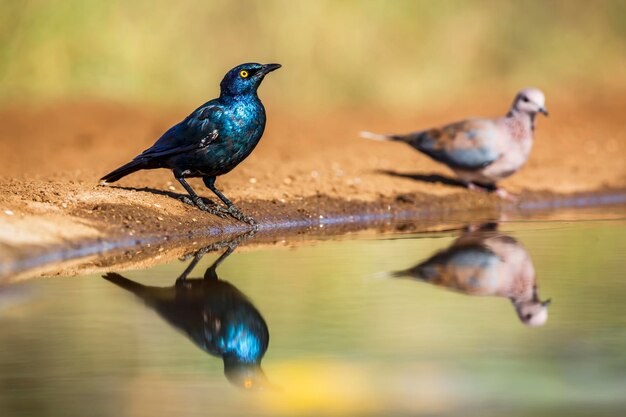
457,323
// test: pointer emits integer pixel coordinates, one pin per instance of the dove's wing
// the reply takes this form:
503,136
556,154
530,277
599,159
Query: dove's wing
470,145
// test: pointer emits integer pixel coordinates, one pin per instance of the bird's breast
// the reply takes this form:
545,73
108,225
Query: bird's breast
243,122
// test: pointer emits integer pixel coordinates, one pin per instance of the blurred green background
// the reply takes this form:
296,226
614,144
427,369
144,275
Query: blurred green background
335,53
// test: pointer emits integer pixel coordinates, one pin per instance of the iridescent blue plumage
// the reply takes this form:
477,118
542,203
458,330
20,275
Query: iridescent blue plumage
215,315
212,140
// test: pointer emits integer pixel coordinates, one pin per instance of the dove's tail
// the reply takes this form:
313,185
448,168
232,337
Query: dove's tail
378,136
390,274
413,139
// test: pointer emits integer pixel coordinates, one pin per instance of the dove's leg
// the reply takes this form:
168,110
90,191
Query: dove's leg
500,192
195,200
475,187
232,209
505,195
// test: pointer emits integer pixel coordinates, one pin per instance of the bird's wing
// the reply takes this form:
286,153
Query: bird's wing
197,131
453,267
471,144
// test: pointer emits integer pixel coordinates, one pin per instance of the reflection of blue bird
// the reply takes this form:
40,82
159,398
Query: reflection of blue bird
212,140
215,315
485,262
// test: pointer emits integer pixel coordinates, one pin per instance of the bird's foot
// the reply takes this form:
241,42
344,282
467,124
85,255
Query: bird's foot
500,192
186,200
237,214
505,195
476,187
211,208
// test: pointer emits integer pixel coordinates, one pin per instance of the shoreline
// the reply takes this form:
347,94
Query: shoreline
309,170
48,260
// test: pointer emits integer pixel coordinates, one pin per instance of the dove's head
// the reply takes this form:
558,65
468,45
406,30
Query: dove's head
530,101
533,313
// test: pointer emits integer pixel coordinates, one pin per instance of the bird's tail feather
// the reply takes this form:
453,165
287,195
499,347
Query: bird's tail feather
389,274
127,284
377,136
409,138
124,170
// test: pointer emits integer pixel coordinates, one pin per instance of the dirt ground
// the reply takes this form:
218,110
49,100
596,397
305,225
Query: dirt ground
306,169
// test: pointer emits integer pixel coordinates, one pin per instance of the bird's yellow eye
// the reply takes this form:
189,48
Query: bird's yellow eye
243,74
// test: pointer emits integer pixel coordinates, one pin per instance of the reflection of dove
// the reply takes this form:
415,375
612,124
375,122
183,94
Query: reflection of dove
481,151
486,262
215,315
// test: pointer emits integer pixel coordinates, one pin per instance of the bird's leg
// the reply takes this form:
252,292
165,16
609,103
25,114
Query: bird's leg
505,195
183,277
232,209
500,192
194,200
475,187
210,272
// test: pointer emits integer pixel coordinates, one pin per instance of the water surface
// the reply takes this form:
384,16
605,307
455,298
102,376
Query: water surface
524,318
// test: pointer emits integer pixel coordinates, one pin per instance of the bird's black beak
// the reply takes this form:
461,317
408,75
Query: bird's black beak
269,68
543,111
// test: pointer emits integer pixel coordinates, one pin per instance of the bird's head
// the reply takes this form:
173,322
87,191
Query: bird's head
245,78
248,376
530,101
533,313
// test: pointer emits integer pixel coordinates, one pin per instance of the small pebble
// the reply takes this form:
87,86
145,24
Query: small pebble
8,212
252,180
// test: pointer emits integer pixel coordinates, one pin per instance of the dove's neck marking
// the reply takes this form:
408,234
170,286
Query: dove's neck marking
522,123
523,116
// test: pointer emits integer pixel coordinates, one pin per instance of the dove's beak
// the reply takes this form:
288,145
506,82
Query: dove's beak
269,68
547,302
543,111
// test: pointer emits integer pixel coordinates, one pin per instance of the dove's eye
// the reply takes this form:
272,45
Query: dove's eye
525,99
243,74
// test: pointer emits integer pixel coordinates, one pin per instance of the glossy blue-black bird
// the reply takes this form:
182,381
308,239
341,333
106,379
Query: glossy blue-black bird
212,140
215,315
